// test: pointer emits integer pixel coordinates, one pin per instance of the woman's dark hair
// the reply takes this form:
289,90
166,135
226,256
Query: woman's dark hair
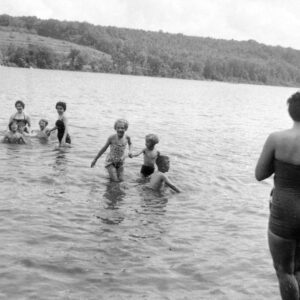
294,106
21,103
62,104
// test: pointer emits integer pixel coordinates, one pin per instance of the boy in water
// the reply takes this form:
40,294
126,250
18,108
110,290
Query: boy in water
150,155
13,136
159,179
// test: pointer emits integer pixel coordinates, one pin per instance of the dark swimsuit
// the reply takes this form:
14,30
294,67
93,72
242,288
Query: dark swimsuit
20,121
285,207
60,125
147,170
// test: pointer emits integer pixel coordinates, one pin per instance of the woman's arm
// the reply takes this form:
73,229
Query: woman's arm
129,145
50,130
28,122
264,167
102,150
63,140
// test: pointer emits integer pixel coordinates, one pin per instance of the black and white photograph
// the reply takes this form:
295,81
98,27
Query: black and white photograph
150,150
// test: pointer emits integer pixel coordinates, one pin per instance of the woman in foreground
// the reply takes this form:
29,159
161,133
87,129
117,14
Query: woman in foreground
281,156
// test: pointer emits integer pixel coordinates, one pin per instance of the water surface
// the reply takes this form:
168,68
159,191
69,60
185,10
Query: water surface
68,233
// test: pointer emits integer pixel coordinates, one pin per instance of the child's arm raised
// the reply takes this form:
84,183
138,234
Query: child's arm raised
102,150
171,185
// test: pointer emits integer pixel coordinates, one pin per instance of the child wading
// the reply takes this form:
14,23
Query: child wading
114,162
150,155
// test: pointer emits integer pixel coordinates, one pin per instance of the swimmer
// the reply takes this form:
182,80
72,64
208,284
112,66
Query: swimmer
13,136
43,132
114,162
61,125
22,119
159,179
150,155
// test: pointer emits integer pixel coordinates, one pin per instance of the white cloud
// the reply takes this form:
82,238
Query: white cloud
273,22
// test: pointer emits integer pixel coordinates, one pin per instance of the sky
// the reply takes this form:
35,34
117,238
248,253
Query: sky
272,22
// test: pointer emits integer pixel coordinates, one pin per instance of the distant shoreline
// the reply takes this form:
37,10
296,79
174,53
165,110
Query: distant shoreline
148,76
79,46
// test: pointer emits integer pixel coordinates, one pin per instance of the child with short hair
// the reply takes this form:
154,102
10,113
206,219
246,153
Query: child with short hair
159,179
13,136
118,142
150,155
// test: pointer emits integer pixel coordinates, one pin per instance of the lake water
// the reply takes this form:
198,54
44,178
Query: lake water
68,233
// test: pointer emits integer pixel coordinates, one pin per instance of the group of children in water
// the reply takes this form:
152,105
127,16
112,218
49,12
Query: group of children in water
114,162
19,130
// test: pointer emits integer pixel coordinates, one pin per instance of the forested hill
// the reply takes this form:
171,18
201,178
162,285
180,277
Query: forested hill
139,52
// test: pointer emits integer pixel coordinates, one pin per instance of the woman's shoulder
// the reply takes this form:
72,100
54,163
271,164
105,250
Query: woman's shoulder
277,135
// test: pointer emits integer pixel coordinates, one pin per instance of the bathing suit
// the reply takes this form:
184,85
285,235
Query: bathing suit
284,218
21,121
60,125
147,170
116,155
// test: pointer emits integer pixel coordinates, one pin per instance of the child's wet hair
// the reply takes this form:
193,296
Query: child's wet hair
62,104
21,103
123,121
43,120
11,123
153,138
161,159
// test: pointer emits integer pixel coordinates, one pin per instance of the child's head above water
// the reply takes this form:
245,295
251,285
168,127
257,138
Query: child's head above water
121,122
13,126
43,123
151,140
163,163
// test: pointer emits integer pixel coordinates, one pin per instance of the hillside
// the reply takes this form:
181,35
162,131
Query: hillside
59,51
140,52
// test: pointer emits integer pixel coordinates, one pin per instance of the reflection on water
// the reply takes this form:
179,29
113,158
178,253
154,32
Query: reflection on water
113,197
114,193
61,162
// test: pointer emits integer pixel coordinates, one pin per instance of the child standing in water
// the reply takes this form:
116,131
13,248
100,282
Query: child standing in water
150,155
159,179
61,125
13,136
114,162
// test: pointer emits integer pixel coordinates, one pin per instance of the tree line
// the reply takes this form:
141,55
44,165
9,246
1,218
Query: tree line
141,52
